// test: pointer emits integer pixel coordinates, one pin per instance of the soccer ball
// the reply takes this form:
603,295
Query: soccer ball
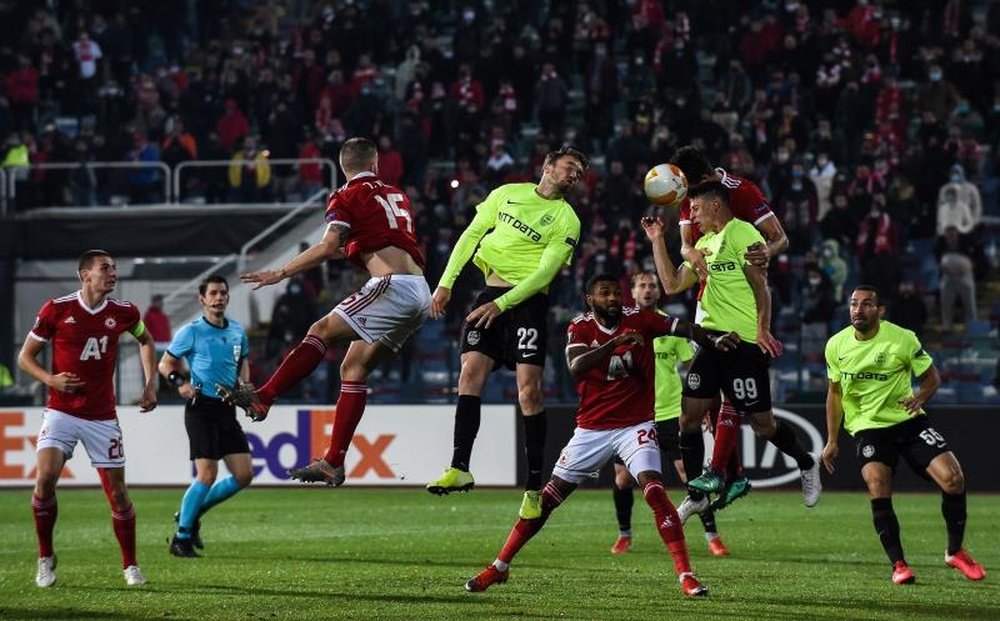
665,184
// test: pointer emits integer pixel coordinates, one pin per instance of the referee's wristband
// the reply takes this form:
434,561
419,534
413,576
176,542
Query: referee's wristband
176,379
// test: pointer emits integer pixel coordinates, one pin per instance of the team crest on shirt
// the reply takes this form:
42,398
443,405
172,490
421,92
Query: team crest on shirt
867,451
473,337
110,323
694,381
880,359
546,220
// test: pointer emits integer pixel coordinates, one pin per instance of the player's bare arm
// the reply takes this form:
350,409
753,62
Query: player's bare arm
672,279
777,242
440,299
694,332
147,355
930,381
580,358
834,417
757,277
330,247
27,361
170,365
691,254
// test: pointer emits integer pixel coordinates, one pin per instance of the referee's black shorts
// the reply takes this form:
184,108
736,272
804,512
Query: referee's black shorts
212,428
518,336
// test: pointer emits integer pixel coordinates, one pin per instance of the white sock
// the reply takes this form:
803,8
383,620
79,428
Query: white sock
502,566
710,537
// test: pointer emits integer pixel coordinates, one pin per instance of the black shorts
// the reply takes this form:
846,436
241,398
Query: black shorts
212,428
741,375
517,336
915,440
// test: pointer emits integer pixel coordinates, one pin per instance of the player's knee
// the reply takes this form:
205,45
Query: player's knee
243,479
353,371
764,425
45,485
954,481
690,422
118,497
623,480
530,398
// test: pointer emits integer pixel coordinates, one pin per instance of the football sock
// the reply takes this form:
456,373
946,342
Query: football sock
124,525
350,409
524,530
784,438
467,416
191,504
887,528
45,522
953,510
220,490
535,430
668,524
298,364
708,521
727,431
692,446
623,508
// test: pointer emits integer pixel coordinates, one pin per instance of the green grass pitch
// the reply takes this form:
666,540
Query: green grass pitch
402,554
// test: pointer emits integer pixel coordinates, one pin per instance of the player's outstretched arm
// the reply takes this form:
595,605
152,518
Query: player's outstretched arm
777,242
484,220
580,358
691,254
672,279
330,247
834,416
930,381
27,361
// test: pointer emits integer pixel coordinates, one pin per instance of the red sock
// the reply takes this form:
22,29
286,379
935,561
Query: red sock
524,530
350,409
298,364
45,522
124,525
727,434
668,523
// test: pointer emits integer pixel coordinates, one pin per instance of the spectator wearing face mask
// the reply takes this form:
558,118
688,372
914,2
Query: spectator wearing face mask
909,310
953,212
965,192
955,255
834,266
839,224
818,304
797,210
821,174
937,96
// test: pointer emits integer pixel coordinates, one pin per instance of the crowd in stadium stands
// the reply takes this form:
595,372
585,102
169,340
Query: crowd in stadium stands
872,127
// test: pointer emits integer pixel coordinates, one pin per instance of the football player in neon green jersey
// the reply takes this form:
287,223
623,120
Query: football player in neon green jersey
736,298
521,236
669,352
870,365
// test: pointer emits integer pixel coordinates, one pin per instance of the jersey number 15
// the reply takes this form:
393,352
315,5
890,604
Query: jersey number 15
393,212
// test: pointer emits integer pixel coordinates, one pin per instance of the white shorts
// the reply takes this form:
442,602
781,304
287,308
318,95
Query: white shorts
101,438
387,309
589,449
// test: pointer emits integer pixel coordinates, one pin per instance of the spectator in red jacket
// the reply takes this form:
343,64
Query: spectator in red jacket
22,93
390,162
232,126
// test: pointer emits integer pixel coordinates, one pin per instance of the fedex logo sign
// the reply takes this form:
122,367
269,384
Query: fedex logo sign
17,449
276,454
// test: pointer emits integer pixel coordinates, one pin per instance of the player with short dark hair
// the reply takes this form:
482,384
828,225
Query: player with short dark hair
370,223
521,236
83,328
668,352
870,365
747,203
736,298
609,352
216,349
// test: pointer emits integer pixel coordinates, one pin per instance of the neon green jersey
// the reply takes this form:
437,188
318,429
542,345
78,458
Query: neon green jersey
668,351
523,238
875,375
728,301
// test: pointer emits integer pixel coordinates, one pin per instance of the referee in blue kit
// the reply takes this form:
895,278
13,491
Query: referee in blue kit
216,350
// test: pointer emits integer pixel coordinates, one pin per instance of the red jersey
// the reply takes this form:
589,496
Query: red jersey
85,342
745,199
378,215
620,391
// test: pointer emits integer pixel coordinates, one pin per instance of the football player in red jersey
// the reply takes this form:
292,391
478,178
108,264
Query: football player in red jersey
369,223
610,354
83,328
747,203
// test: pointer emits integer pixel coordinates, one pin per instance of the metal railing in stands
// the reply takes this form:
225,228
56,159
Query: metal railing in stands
10,185
241,264
325,162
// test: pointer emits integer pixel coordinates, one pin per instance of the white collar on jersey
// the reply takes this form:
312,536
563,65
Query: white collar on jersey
92,311
364,173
